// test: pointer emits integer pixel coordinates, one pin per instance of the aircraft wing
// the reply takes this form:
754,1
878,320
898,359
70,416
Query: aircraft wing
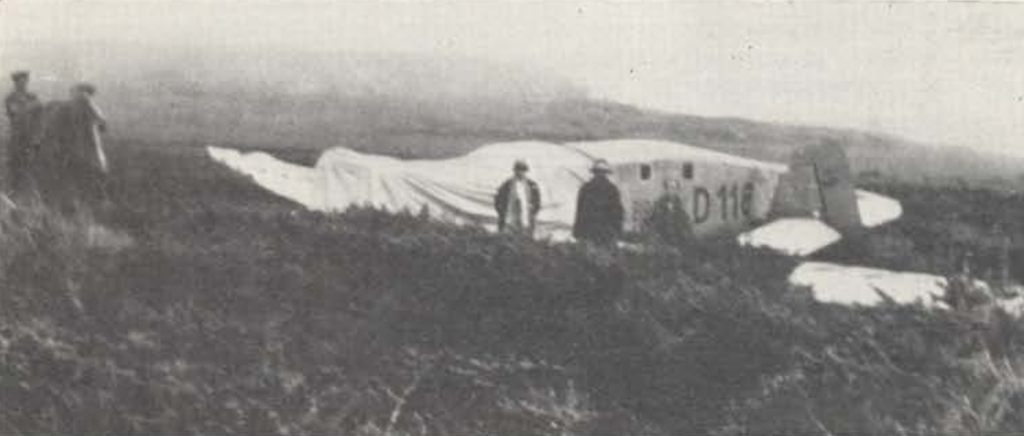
854,285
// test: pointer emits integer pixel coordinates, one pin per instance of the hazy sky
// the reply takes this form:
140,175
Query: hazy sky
938,72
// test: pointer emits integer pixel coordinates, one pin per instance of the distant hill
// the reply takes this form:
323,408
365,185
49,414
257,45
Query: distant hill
415,105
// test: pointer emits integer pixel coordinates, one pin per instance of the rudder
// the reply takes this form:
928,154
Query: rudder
820,184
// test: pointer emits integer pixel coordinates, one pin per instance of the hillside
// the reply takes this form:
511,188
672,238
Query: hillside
416,105
202,305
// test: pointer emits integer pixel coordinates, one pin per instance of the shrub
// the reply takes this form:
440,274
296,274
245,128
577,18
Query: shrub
232,312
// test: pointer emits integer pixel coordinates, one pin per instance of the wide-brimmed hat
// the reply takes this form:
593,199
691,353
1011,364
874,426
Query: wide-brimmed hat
19,75
520,165
601,166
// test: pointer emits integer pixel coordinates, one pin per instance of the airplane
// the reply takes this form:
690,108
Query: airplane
796,209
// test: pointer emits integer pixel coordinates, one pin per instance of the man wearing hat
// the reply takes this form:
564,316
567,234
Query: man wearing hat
668,221
23,110
73,148
599,211
518,202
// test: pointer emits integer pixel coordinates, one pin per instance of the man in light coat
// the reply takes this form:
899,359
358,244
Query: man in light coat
518,202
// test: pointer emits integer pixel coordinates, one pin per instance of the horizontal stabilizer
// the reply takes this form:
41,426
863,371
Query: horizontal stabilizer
791,236
876,209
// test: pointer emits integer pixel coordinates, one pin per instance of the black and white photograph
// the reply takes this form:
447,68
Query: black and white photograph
555,218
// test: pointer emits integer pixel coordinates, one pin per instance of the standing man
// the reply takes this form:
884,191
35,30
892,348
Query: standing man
23,110
74,150
518,202
668,222
599,211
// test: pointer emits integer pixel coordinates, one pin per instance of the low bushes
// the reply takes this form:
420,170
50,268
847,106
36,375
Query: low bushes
221,317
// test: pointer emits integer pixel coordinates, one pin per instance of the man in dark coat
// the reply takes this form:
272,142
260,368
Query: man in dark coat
23,112
599,211
668,222
518,202
72,149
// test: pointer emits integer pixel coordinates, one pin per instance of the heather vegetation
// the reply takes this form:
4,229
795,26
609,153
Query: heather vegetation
202,305
940,226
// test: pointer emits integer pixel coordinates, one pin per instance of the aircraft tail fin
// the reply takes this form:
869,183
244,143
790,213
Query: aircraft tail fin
819,184
802,236
816,203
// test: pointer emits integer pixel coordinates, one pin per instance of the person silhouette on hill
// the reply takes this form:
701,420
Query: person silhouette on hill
23,112
73,148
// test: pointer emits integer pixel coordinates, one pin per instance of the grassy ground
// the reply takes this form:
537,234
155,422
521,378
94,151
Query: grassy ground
202,305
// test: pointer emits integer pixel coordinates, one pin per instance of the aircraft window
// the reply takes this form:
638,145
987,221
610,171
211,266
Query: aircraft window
688,171
645,172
